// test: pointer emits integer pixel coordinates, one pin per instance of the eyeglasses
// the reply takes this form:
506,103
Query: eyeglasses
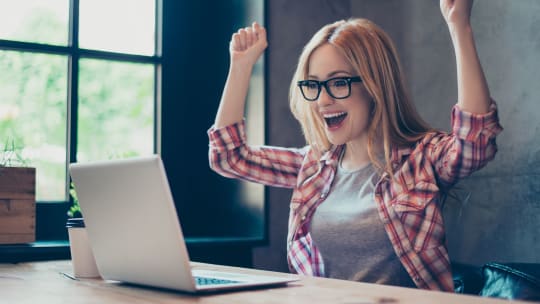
338,87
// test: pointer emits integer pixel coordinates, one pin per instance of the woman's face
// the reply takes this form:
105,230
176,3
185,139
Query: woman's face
346,120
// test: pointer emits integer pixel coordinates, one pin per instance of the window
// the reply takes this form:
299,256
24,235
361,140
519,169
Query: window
86,80
78,82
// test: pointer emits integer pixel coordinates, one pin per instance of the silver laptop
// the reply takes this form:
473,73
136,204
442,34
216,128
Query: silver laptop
135,233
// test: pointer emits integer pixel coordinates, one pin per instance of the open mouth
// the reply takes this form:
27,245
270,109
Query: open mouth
335,119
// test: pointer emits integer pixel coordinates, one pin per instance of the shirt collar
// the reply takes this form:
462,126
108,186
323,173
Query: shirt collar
398,153
332,155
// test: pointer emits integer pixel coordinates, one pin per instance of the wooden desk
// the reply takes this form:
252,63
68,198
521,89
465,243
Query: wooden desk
50,282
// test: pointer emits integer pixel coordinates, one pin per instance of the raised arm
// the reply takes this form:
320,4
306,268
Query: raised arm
473,92
229,153
245,48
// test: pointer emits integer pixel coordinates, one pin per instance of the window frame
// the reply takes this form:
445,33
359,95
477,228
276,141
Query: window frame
51,215
177,31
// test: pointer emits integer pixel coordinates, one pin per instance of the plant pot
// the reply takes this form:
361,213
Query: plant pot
82,257
17,205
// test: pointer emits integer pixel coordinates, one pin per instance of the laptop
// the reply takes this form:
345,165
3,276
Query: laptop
134,231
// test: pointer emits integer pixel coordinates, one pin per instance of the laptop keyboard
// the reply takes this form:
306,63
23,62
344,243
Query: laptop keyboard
212,281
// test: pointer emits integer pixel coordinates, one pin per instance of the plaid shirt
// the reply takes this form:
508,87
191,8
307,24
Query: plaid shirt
409,204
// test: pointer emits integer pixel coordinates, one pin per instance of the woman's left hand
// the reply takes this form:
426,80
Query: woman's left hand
456,12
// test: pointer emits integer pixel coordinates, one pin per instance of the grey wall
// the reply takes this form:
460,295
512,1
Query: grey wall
496,215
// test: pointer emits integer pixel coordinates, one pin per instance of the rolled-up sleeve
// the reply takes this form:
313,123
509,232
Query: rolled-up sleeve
476,127
227,138
469,147
231,156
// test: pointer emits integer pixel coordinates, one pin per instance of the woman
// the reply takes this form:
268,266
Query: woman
368,187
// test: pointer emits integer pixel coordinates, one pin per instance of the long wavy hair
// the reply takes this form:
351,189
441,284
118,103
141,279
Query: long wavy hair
372,55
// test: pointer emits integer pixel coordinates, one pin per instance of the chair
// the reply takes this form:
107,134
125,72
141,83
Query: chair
513,281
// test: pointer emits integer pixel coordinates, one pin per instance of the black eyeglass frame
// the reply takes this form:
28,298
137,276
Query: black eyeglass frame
303,83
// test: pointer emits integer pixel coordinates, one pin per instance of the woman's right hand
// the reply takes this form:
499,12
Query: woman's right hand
245,48
248,44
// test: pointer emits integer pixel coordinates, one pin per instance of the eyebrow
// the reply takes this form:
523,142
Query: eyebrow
334,73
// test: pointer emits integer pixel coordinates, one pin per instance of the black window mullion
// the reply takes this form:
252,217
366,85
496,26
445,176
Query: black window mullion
23,46
73,87
96,54
73,96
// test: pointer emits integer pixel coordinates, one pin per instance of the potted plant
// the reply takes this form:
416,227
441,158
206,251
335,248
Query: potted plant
17,196
75,219
74,210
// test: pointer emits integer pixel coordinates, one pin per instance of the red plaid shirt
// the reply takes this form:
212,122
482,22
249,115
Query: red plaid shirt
409,204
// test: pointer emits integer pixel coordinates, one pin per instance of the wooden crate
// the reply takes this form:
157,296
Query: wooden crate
17,205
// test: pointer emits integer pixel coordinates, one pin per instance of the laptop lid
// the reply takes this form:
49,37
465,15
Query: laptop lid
133,227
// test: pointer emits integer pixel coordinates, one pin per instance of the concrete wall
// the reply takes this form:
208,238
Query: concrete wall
495,218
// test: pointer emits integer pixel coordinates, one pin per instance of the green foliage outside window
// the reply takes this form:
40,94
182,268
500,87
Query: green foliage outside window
33,113
116,103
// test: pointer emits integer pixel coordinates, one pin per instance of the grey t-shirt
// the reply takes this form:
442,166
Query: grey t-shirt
350,235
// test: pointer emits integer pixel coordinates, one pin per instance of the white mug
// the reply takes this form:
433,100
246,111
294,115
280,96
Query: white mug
82,258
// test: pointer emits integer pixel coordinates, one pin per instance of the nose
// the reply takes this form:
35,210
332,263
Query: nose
325,98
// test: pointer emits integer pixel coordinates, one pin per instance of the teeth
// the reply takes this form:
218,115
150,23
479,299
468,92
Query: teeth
332,115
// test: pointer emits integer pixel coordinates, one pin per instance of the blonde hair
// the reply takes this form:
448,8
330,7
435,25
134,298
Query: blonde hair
372,55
